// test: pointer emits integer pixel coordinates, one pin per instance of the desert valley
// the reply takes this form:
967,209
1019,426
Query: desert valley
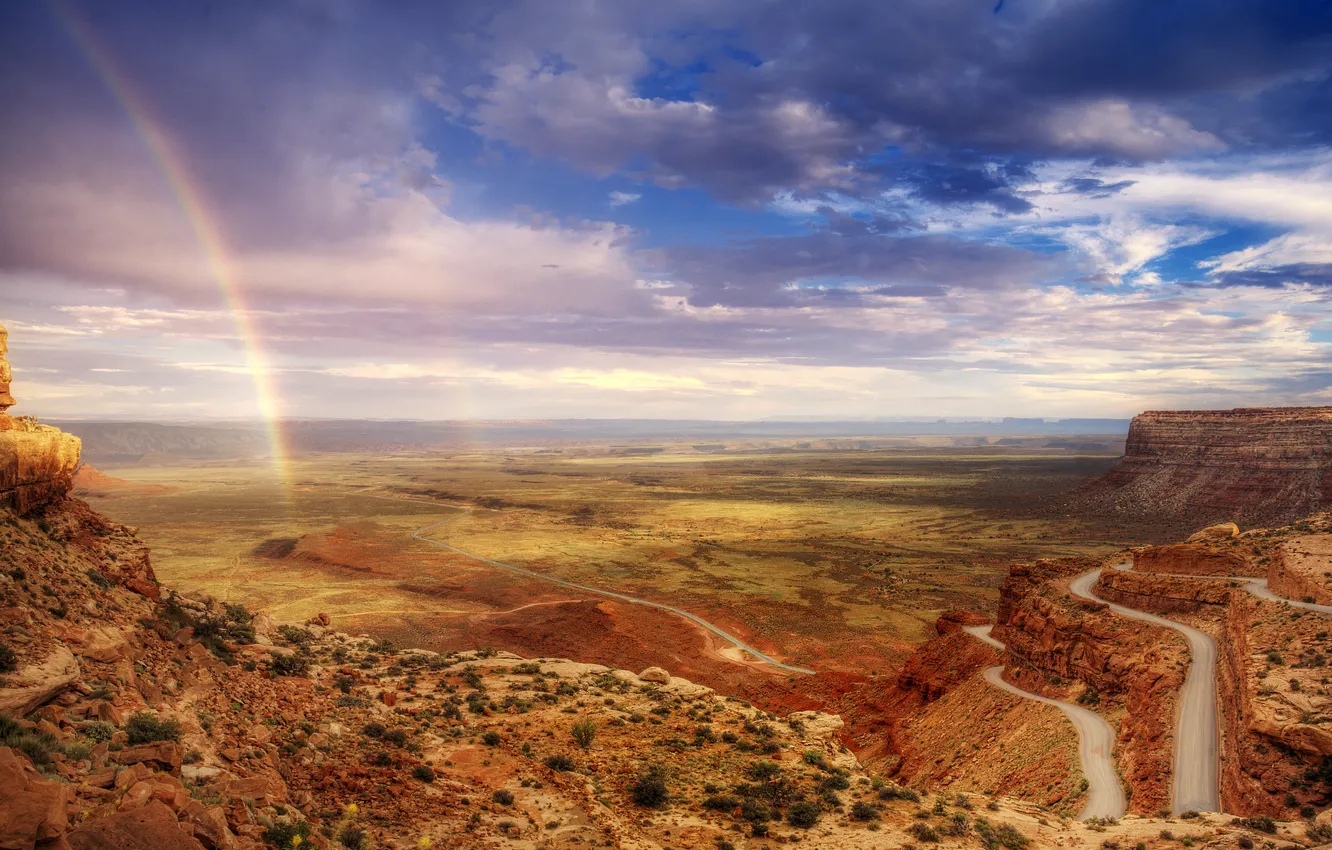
725,425
845,642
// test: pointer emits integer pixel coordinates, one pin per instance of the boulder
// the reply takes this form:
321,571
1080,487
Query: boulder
104,644
164,754
151,827
1221,531
32,809
37,684
655,674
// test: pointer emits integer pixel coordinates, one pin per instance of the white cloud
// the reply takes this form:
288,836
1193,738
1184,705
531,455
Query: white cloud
619,199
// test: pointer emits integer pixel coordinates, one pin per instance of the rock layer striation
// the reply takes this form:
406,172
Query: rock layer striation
1268,465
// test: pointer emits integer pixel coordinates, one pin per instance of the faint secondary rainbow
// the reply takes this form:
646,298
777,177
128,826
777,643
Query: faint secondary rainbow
205,229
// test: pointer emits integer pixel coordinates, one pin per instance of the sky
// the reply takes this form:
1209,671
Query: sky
732,209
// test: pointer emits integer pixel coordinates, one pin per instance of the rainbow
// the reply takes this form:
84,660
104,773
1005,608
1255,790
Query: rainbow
201,222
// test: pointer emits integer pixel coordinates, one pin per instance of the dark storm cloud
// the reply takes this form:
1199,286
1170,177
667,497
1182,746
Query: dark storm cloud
1318,275
1120,79
1096,187
808,269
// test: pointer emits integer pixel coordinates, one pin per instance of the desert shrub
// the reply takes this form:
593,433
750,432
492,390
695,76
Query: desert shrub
37,746
815,758
296,635
8,660
423,773
897,792
491,739
96,577
383,759
559,762
758,830
956,826
352,838
396,737
1274,657
761,771
835,782
77,750
145,728
1261,823
864,811
755,811
97,731
721,803
290,665
503,797
803,814
373,729
1319,833
584,732
1307,811
649,790
285,836
923,832
1245,843
994,837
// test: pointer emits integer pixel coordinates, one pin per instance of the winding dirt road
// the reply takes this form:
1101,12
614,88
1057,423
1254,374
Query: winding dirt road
1196,786
1096,741
464,510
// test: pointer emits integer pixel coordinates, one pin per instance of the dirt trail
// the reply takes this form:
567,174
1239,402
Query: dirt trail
464,510
1096,741
1197,783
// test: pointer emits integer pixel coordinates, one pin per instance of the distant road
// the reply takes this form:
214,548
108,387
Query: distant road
1096,741
464,510
1196,785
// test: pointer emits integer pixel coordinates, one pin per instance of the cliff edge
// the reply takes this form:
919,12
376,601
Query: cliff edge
37,462
1250,465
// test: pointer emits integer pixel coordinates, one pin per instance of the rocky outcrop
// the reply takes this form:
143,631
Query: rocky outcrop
1204,466
32,808
36,684
1301,569
1162,594
37,462
1194,559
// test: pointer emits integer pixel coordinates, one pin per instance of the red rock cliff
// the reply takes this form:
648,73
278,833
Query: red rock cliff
1248,464
37,462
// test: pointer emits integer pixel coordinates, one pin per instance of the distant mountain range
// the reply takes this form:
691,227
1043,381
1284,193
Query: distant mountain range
111,442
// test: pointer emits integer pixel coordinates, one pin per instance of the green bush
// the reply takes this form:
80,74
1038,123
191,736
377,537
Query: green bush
423,773
897,792
649,790
721,803
1004,836
803,814
491,739
755,811
290,665
373,729
561,763
284,835
8,660
584,732
863,811
923,832
97,731
38,746
145,728
396,737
